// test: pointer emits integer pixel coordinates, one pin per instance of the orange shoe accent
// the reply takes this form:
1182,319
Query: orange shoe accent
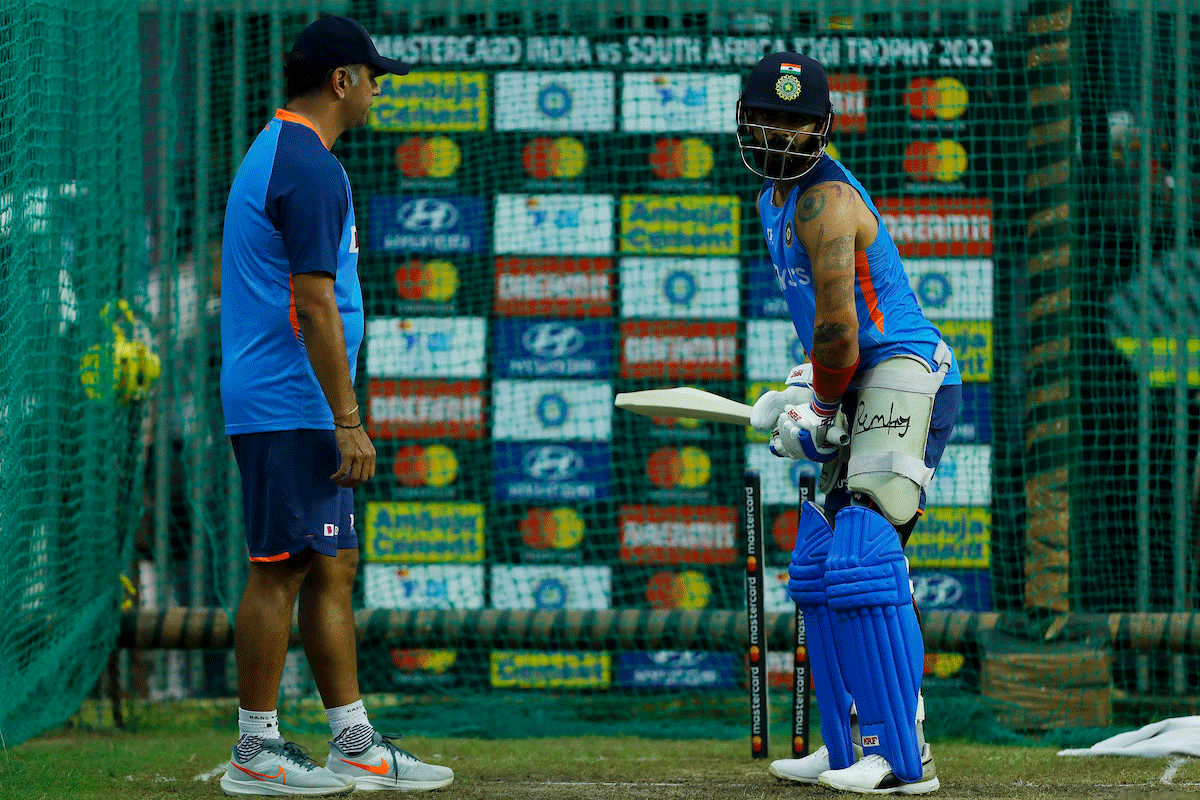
259,776
378,770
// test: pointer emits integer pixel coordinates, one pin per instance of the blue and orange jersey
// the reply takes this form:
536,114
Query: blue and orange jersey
890,320
290,211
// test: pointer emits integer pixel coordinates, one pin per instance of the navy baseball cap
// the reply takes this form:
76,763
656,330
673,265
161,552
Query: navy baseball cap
788,82
333,42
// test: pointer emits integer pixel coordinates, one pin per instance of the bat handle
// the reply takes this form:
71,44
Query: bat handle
837,435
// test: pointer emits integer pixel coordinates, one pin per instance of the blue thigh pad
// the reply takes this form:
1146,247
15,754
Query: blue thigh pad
878,637
806,586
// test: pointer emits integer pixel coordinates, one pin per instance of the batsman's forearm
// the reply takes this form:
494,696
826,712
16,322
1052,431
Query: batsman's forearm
325,341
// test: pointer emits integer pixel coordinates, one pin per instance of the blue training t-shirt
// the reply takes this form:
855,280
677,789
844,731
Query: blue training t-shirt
890,320
290,211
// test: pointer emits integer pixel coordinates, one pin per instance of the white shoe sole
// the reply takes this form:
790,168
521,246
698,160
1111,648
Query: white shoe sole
920,787
372,784
778,773
234,788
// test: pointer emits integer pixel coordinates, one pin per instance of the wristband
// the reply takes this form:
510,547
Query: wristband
832,382
347,427
825,410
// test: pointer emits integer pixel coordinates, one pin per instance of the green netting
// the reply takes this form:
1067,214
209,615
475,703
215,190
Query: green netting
552,210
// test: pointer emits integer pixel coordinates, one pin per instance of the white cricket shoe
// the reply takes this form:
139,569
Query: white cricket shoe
386,766
873,775
802,770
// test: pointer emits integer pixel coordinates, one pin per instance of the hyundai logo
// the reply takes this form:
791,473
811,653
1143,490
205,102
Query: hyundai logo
552,462
937,590
552,339
427,214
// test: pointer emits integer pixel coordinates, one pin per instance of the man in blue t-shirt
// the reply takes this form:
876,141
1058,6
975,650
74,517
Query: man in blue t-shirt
874,404
291,327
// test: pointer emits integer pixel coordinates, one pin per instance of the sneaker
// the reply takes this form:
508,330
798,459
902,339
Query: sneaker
385,766
282,769
802,770
873,775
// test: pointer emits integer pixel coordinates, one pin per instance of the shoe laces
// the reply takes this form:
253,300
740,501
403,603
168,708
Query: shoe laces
299,755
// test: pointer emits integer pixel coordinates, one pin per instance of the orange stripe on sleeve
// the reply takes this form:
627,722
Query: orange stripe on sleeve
292,316
863,270
277,557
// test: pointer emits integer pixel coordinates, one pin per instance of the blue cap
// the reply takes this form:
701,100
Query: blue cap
788,82
332,42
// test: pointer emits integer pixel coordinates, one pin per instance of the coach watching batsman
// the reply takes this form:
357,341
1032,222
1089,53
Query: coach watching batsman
875,359
291,326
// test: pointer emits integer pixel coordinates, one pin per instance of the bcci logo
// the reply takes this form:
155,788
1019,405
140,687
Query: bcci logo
787,87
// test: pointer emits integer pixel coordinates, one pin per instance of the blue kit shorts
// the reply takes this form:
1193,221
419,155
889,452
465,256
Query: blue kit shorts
288,500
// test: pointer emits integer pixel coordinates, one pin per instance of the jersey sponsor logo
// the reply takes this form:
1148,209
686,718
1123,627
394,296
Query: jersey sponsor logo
519,669
662,102
420,532
568,472
415,586
555,287
694,288
401,409
555,101
939,227
431,101
678,534
679,350
686,225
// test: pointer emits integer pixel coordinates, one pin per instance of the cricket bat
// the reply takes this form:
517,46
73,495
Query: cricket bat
684,402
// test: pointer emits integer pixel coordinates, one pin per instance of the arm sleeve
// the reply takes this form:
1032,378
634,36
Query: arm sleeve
309,206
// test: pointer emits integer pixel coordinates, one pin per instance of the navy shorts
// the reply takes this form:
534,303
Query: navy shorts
947,404
288,500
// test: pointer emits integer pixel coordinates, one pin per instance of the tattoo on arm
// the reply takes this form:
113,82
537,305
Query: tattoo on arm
810,206
828,333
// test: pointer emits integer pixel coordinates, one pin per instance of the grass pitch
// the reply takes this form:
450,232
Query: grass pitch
186,763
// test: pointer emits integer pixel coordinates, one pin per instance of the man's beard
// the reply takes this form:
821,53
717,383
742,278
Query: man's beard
785,166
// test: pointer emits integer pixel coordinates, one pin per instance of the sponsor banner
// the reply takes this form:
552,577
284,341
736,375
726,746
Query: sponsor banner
522,669
425,470
764,298
555,101
975,420
780,477
951,538
952,590
683,225
680,473
426,347
414,532
551,534
832,51
679,350
972,344
848,94
677,669
554,224
688,588
427,224
772,349
552,410
775,590
952,288
667,288
404,409
550,588
552,348
939,227
421,669
780,664
963,477
427,284
656,102
453,586
554,287
431,101
552,472
678,534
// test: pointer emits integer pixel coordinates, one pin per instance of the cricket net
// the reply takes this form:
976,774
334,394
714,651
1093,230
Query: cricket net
551,210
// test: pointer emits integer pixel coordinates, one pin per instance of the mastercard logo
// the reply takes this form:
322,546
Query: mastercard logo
672,422
552,528
564,157
784,530
944,98
944,161
685,468
433,157
687,589
689,158
437,661
425,465
427,280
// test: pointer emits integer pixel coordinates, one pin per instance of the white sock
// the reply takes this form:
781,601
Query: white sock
351,729
262,724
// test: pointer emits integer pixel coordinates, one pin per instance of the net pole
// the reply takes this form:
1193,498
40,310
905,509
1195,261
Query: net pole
756,640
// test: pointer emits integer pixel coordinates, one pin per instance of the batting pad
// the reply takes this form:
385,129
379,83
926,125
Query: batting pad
806,586
877,634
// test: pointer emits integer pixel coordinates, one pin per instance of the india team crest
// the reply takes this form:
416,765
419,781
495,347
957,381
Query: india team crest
787,87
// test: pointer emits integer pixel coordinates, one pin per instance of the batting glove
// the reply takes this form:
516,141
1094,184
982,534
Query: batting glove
764,416
804,432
